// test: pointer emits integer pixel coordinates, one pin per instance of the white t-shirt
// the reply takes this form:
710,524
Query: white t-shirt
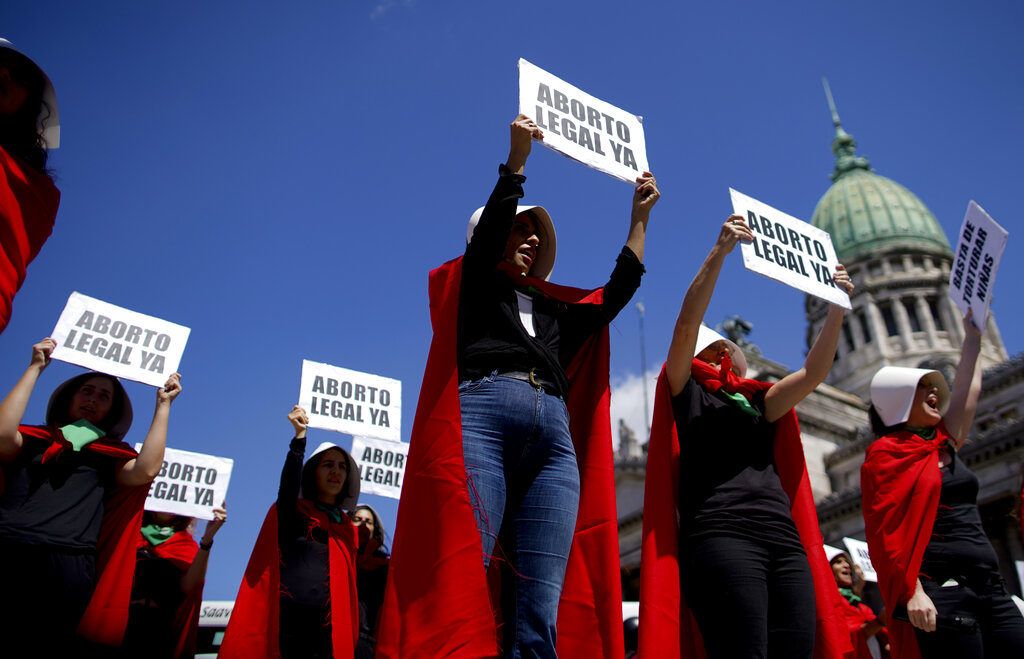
526,313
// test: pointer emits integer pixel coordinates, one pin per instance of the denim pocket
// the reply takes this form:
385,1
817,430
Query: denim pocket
467,386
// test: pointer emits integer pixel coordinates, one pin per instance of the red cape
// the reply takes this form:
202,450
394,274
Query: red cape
667,625
181,549
253,631
437,602
858,615
900,485
106,617
28,209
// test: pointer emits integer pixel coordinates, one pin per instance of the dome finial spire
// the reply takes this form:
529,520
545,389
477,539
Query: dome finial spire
843,145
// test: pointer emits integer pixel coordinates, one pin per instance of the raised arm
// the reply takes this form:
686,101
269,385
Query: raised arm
645,196
695,303
487,246
963,403
194,577
790,390
143,469
12,409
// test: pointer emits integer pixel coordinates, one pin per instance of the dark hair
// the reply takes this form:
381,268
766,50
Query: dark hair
62,404
308,484
378,526
878,426
21,133
178,522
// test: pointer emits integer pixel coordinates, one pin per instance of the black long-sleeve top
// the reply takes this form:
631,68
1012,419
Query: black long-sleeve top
304,550
491,336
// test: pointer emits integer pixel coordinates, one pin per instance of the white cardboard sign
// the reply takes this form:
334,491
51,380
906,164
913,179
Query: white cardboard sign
583,127
189,484
351,402
859,553
381,465
976,260
117,341
789,250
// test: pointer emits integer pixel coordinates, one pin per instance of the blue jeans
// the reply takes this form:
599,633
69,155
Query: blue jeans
524,484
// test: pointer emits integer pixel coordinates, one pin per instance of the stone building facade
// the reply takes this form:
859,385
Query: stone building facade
900,258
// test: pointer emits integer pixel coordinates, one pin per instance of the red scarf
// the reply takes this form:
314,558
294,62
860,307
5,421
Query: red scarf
437,602
900,485
668,628
106,617
28,209
253,631
181,549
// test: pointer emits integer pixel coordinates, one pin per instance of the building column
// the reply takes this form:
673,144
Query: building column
925,314
877,326
903,323
955,318
854,322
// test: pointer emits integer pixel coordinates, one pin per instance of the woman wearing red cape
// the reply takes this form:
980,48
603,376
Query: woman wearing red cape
937,571
29,126
298,597
732,561
510,463
70,509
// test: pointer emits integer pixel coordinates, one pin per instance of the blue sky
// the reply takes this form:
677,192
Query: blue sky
281,179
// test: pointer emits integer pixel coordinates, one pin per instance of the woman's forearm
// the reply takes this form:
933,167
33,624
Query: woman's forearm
966,389
691,313
194,577
823,351
637,237
144,468
12,410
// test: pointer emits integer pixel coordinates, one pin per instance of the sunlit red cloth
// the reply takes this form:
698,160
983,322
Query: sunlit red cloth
28,209
437,602
900,487
667,625
254,629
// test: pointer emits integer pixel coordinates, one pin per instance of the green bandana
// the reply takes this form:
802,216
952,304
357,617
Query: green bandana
332,511
741,401
849,595
156,534
80,433
923,433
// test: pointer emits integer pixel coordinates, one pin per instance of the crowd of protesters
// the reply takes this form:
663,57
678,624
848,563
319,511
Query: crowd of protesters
506,538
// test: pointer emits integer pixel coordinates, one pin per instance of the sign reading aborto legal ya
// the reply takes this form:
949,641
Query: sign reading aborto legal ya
976,260
789,250
351,402
189,484
583,127
117,341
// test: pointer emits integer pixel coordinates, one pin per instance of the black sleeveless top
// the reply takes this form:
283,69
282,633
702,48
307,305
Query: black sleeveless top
958,545
728,484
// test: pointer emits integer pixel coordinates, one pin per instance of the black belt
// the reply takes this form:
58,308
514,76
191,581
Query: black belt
533,378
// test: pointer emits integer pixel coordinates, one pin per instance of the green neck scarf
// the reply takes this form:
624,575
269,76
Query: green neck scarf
156,534
850,596
333,512
740,401
923,433
80,433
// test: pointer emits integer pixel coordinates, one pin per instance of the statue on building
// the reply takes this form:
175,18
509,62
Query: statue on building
736,329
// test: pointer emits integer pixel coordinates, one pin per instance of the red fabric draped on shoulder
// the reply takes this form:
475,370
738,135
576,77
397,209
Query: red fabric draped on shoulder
437,602
106,617
253,631
28,209
667,626
181,549
900,486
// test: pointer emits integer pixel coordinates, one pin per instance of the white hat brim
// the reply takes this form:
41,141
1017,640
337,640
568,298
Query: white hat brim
893,389
49,117
706,336
544,264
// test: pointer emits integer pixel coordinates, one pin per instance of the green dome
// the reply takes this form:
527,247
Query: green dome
869,214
